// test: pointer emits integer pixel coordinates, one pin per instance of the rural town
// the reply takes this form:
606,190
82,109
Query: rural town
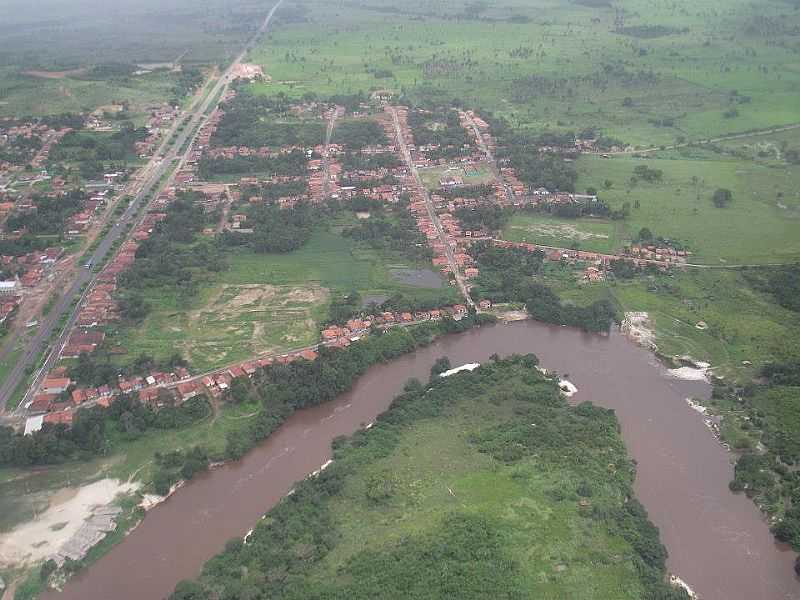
365,299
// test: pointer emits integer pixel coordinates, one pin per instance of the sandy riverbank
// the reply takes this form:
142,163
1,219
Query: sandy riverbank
74,514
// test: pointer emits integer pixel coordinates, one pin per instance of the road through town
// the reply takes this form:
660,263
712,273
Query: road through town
451,259
487,152
68,304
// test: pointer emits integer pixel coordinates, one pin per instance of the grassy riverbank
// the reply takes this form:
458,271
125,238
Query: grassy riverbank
487,481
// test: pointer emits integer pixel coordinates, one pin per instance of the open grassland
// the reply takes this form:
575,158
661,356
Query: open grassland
761,225
434,471
594,235
678,70
226,323
263,303
23,95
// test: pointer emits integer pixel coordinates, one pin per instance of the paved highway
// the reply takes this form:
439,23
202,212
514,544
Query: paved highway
70,301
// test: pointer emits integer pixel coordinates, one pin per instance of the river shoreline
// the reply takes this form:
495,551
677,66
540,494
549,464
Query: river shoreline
276,455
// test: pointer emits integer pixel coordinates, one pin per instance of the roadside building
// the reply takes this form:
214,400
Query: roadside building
9,288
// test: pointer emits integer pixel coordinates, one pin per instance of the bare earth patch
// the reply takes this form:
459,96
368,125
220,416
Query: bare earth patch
251,319
67,517
55,74
637,326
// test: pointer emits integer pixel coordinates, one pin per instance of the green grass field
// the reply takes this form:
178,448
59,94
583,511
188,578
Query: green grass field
595,235
22,95
265,303
565,68
758,227
433,458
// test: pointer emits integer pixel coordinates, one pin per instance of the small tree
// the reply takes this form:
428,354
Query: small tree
440,366
722,197
645,234
48,568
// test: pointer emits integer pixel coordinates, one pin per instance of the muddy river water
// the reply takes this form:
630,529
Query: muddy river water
718,542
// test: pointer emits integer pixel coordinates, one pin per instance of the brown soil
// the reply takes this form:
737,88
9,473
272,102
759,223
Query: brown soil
55,74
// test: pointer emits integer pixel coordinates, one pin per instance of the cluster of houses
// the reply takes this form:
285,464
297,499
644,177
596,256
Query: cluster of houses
14,134
59,397
661,252
9,300
209,128
79,223
160,120
30,268
283,201
342,335
597,263
453,239
100,307
201,146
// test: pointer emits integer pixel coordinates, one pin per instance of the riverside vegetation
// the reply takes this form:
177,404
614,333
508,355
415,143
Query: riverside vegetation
176,443
481,481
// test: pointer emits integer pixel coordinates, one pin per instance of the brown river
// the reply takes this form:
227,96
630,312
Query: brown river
718,542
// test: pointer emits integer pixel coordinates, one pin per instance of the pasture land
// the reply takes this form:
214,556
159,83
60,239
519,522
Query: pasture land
25,95
711,68
48,51
760,226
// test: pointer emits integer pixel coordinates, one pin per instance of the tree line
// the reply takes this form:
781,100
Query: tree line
507,275
172,258
95,431
277,230
256,120
50,215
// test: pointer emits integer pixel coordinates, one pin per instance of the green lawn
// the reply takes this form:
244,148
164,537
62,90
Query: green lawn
264,303
758,227
595,235
479,175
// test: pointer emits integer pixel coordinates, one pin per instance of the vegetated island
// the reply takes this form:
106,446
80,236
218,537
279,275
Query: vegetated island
484,482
